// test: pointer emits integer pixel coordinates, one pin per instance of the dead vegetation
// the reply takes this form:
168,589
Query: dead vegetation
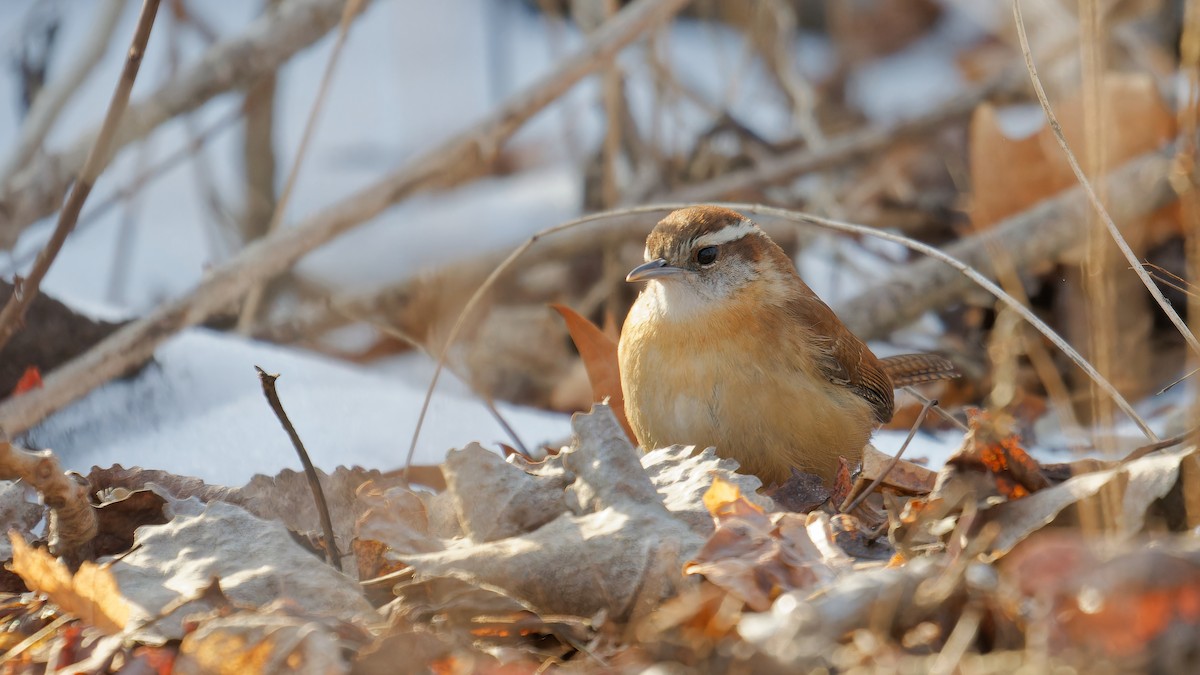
1017,255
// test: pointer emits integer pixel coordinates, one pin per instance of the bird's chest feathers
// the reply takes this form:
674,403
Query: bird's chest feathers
696,371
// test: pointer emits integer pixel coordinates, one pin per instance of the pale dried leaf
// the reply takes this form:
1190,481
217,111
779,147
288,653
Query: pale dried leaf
617,548
682,476
256,560
494,499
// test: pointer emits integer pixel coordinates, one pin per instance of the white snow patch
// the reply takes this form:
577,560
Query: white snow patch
198,410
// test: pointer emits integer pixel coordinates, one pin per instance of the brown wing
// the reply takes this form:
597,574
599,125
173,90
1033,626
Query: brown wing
844,358
909,369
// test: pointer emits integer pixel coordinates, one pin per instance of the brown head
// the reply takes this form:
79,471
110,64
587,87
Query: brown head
703,255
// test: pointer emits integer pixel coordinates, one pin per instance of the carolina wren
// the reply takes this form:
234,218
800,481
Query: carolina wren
727,347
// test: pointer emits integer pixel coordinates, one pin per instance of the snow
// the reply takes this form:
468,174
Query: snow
411,75
199,410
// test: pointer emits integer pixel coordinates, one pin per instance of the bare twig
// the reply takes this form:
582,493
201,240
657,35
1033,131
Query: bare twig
941,412
912,432
332,555
25,291
466,153
72,519
1113,231
37,190
254,296
52,99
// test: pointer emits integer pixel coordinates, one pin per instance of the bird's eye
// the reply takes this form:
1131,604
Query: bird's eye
707,255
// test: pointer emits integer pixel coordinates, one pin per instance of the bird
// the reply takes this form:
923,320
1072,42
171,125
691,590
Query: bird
727,347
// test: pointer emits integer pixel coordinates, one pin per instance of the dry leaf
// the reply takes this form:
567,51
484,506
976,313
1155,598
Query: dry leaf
1115,605
257,562
16,513
1010,175
905,476
494,502
1133,487
753,556
599,354
801,629
92,593
620,523
258,643
992,449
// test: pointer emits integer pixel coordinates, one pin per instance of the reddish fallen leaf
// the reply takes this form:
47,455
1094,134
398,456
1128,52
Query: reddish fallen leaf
1125,605
599,354
160,660
991,447
30,379
843,483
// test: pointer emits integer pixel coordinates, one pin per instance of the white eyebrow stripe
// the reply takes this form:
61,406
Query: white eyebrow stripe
726,234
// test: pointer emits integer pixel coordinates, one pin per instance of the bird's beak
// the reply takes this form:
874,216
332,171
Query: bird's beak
655,269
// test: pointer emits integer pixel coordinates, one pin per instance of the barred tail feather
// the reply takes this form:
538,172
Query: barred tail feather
909,369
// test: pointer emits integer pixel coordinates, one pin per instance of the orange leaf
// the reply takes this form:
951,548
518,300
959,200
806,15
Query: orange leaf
30,379
90,594
599,354
723,499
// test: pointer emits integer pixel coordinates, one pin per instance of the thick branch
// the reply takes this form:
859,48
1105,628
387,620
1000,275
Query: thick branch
466,153
37,190
73,521
1040,234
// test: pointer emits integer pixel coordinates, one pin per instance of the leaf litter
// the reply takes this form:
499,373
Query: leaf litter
602,557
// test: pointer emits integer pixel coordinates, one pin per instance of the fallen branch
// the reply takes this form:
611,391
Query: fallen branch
37,190
468,152
12,317
1040,234
72,518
